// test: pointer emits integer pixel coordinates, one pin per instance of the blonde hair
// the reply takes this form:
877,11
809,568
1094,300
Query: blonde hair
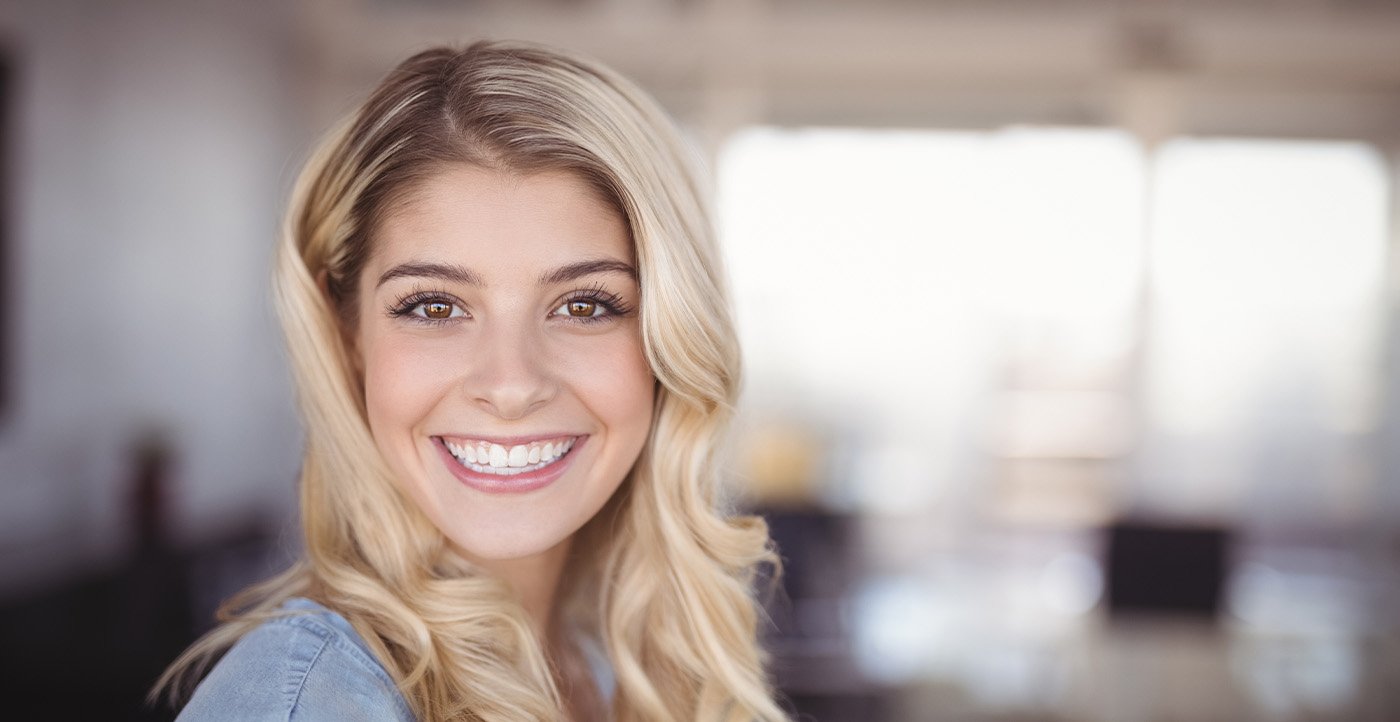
666,579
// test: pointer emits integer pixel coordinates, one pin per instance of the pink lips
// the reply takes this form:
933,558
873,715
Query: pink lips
514,484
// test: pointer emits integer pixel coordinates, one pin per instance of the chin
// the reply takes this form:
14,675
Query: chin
484,546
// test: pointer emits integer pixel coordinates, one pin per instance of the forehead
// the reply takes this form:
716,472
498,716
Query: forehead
500,221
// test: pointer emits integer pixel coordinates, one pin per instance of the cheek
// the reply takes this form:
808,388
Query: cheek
639,398
617,384
398,393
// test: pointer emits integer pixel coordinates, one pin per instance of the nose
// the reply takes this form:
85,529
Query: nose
508,375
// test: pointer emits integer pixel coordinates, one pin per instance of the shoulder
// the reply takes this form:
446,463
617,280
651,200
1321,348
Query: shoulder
304,667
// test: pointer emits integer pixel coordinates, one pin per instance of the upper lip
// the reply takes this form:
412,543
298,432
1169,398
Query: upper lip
510,440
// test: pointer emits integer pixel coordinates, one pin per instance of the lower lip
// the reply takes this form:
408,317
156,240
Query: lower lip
513,484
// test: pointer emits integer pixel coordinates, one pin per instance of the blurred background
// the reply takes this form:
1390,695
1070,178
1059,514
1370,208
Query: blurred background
1070,327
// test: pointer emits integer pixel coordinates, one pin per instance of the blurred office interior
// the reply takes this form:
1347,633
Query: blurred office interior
1070,330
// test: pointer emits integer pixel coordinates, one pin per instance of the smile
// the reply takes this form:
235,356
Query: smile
484,457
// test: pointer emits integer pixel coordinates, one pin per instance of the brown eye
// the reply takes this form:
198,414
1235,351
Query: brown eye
437,310
586,309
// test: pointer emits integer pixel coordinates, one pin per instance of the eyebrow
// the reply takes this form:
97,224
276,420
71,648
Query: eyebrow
578,270
462,274
444,271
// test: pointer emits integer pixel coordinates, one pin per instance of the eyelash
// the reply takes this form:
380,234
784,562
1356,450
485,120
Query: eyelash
405,306
613,305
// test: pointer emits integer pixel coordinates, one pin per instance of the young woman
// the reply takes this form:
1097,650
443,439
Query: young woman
505,312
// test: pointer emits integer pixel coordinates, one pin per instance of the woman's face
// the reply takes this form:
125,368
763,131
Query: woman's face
504,376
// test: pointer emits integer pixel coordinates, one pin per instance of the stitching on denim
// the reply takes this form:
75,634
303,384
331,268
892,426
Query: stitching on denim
314,621
301,685
332,635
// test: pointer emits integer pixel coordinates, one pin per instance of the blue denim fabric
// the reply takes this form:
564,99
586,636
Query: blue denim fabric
314,667
310,667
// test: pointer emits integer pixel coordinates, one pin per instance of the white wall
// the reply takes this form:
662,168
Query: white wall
153,145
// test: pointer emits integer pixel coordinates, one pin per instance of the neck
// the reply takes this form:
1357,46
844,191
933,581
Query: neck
535,582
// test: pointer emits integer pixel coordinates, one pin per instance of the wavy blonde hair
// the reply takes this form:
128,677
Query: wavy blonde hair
663,578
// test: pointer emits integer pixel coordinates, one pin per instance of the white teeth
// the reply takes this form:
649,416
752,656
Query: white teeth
497,459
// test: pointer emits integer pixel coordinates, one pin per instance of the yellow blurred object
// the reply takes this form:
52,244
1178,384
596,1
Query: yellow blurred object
779,464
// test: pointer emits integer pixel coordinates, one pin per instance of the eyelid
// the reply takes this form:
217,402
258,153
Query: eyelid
613,305
456,312
406,306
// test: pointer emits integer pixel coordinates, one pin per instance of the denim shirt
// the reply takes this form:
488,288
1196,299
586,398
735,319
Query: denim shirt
313,667
308,667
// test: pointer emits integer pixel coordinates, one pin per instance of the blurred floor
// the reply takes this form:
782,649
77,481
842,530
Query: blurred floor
1022,627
